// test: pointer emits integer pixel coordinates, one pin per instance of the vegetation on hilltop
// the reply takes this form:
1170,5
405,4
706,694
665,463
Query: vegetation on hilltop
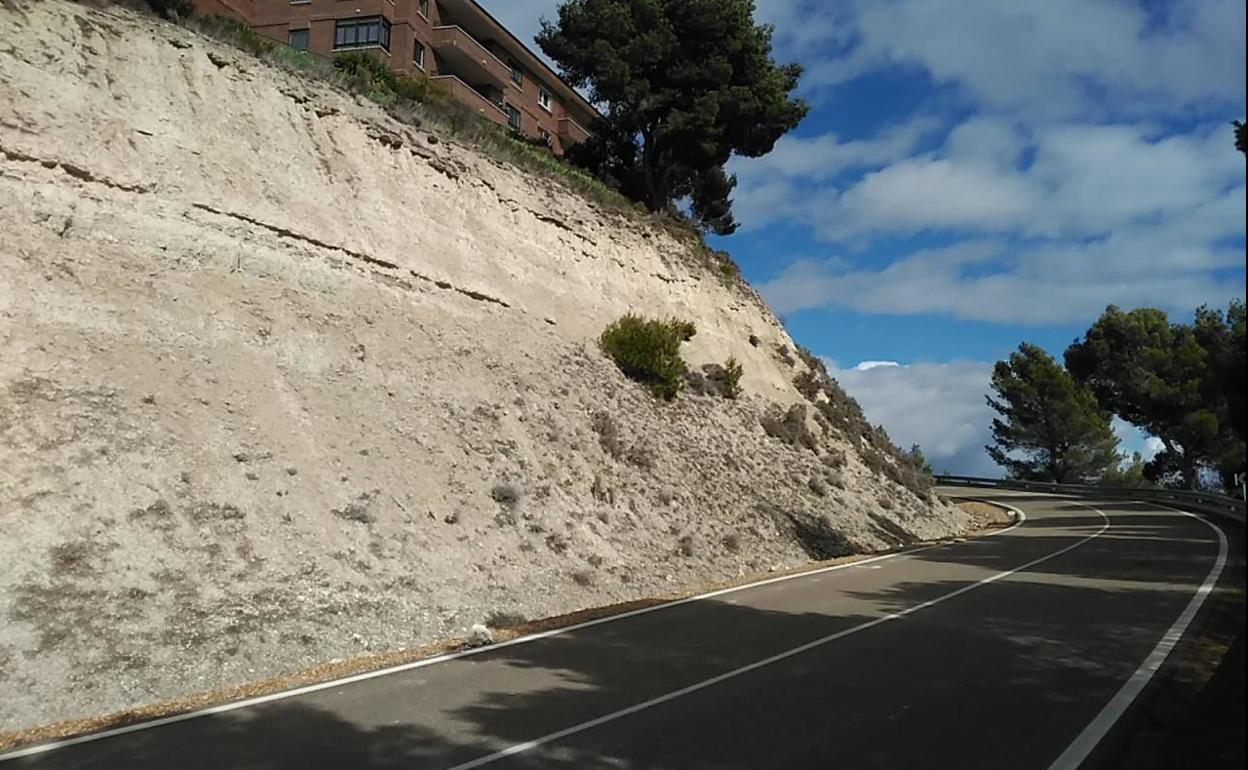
683,85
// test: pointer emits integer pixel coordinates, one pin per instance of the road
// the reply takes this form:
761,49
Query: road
1010,651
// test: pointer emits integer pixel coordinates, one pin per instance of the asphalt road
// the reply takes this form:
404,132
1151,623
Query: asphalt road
994,653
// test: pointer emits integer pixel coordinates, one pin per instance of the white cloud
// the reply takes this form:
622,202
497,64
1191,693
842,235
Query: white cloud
1131,439
939,406
866,366
776,185
1054,58
1152,447
1104,214
920,194
824,156
983,281
942,407
1085,181
990,141
1097,179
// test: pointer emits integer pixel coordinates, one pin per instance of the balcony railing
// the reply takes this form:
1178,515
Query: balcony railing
469,57
469,96
571,131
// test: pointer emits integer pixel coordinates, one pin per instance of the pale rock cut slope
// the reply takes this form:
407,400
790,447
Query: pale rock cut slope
283,380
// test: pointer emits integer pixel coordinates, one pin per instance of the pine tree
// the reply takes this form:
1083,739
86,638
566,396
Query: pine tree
684,85
1050,427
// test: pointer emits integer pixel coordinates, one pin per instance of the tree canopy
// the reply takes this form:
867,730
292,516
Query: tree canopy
1157,376
683,85
1130,475
1050,427
1222,337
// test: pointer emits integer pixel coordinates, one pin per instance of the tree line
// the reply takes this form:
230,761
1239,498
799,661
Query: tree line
1182,383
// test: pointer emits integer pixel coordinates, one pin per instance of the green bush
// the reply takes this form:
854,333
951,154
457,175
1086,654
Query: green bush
369,75
363,71
648,351
293,58
234,31
419,88
732,378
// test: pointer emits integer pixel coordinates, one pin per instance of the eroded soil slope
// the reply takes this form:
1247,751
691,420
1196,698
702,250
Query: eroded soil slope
283,380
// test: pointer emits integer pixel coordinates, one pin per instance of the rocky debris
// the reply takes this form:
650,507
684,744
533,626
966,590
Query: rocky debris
480,636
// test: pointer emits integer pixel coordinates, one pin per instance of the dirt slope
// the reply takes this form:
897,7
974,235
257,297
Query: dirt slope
283,380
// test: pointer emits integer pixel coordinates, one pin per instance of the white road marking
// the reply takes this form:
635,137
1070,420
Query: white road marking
1083,745
520,748
248,702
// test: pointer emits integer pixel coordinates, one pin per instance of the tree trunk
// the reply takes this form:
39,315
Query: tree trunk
1189,472
656,198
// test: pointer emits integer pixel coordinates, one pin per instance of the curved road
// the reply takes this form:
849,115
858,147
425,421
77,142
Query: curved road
1019,650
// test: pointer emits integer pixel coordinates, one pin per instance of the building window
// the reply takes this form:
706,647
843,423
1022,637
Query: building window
423,7
545,100
418,56
513,118
362,33
297,38
545,136
517,74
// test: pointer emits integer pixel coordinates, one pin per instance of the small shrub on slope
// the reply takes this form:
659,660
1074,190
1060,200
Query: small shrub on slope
233,31
648,351
370,76
732,378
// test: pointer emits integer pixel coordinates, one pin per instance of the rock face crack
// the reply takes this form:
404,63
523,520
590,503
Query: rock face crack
287,233
466,292
556,221
77,172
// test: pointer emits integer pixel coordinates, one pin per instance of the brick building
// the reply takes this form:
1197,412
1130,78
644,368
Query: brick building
457,43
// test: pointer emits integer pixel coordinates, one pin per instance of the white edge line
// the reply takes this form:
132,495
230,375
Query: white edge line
41,748
1087,740
673,695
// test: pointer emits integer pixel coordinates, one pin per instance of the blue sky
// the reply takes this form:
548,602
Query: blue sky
976,173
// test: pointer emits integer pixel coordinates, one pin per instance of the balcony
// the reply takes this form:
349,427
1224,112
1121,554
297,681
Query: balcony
572,132
467,95
469,60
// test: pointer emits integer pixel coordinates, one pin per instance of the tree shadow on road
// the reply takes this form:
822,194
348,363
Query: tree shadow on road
1043,647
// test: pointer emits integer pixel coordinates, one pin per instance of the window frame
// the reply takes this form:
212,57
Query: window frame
514,112
418,55
307,38
545,99
517,74
422,7
356,25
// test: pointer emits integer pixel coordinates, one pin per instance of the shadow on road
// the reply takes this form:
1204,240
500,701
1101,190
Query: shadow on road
1043,647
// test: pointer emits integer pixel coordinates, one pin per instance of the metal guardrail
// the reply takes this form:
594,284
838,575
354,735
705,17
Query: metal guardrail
1200,501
